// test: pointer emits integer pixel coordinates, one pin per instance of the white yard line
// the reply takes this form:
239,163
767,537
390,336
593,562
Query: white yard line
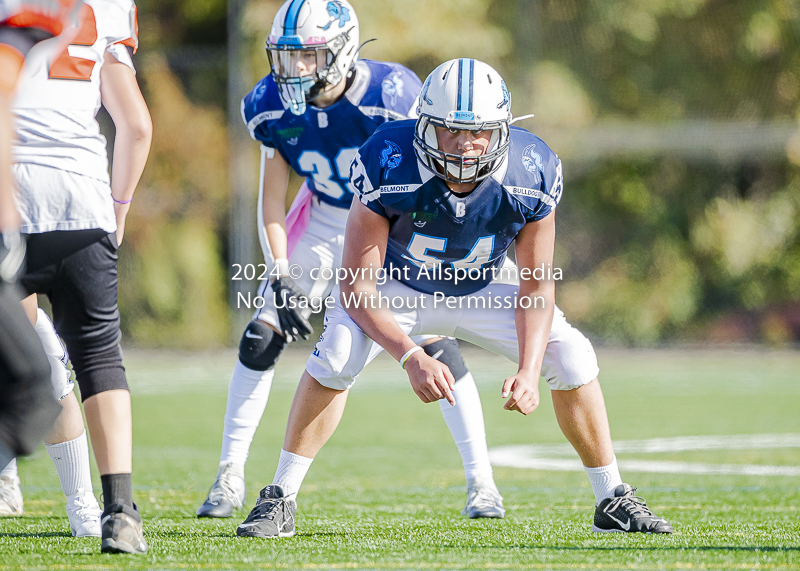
561,457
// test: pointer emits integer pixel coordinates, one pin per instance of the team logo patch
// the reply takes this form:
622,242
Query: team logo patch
422,218
337,13
391,156
290,133
532,161
260,90
506,102
393,86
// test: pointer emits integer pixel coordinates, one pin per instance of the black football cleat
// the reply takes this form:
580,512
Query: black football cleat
272,517
626,513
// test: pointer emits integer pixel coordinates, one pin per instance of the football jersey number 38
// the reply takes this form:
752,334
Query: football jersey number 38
77,68
320,170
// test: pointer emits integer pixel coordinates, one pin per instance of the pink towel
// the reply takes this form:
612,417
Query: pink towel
297,218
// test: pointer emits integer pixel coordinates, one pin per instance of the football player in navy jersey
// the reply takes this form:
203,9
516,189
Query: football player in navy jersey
440,201
311,114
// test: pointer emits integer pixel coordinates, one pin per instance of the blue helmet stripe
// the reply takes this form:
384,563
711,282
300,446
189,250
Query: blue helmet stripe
463,85
471,81
290,22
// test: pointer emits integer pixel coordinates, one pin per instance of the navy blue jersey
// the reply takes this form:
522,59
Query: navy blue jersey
432,228
321,143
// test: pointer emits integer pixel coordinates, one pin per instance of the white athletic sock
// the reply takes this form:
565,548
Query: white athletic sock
55,351
10,471
71,459
604,479
248,394
291,472
465,421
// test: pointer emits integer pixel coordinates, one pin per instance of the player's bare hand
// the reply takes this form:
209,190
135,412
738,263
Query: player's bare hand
522,391
121,213
431,379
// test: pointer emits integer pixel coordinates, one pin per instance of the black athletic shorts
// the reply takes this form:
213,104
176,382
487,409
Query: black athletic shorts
77,270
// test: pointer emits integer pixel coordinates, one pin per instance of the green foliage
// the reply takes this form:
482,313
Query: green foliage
654,249
172,281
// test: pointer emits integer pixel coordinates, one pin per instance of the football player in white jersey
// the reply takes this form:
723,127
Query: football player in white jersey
73,215
320,104
27,408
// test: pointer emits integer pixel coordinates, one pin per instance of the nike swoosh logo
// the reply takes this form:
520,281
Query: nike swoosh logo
626,526
252,335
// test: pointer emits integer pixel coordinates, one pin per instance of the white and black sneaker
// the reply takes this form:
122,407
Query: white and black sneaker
627,513
483,499
227,494
273,516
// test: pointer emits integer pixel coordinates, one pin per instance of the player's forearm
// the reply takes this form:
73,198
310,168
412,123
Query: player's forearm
533,324
278,243
131,149
274,216
362,305
274,211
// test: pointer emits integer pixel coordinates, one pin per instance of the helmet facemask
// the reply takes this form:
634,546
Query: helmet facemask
296,90
460,168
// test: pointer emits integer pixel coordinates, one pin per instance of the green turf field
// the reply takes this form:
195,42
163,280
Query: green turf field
386,492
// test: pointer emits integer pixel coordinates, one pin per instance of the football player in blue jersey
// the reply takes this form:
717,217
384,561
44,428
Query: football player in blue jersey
440,201
311,114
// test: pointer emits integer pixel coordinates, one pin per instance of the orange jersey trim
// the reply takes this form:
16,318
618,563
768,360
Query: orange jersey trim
29,19
49,20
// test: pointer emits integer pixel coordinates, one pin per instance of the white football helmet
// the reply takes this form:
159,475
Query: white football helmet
463,94
321,33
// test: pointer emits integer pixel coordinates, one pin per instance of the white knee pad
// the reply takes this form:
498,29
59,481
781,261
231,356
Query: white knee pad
56,355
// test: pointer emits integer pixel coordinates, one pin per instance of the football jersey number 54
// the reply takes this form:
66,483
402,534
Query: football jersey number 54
421,244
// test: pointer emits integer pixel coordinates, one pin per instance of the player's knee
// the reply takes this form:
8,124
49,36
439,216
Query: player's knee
260,347
450,355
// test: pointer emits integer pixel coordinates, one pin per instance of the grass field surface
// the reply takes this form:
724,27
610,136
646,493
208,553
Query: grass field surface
387,490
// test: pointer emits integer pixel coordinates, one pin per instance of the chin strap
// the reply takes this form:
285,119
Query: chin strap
358,51
515,119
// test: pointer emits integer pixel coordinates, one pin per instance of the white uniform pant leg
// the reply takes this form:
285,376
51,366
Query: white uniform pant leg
344,350
569,361
320,248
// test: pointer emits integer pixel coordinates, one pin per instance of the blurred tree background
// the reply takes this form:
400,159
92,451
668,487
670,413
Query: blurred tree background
677,121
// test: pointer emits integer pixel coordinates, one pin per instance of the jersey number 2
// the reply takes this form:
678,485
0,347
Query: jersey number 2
77,68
